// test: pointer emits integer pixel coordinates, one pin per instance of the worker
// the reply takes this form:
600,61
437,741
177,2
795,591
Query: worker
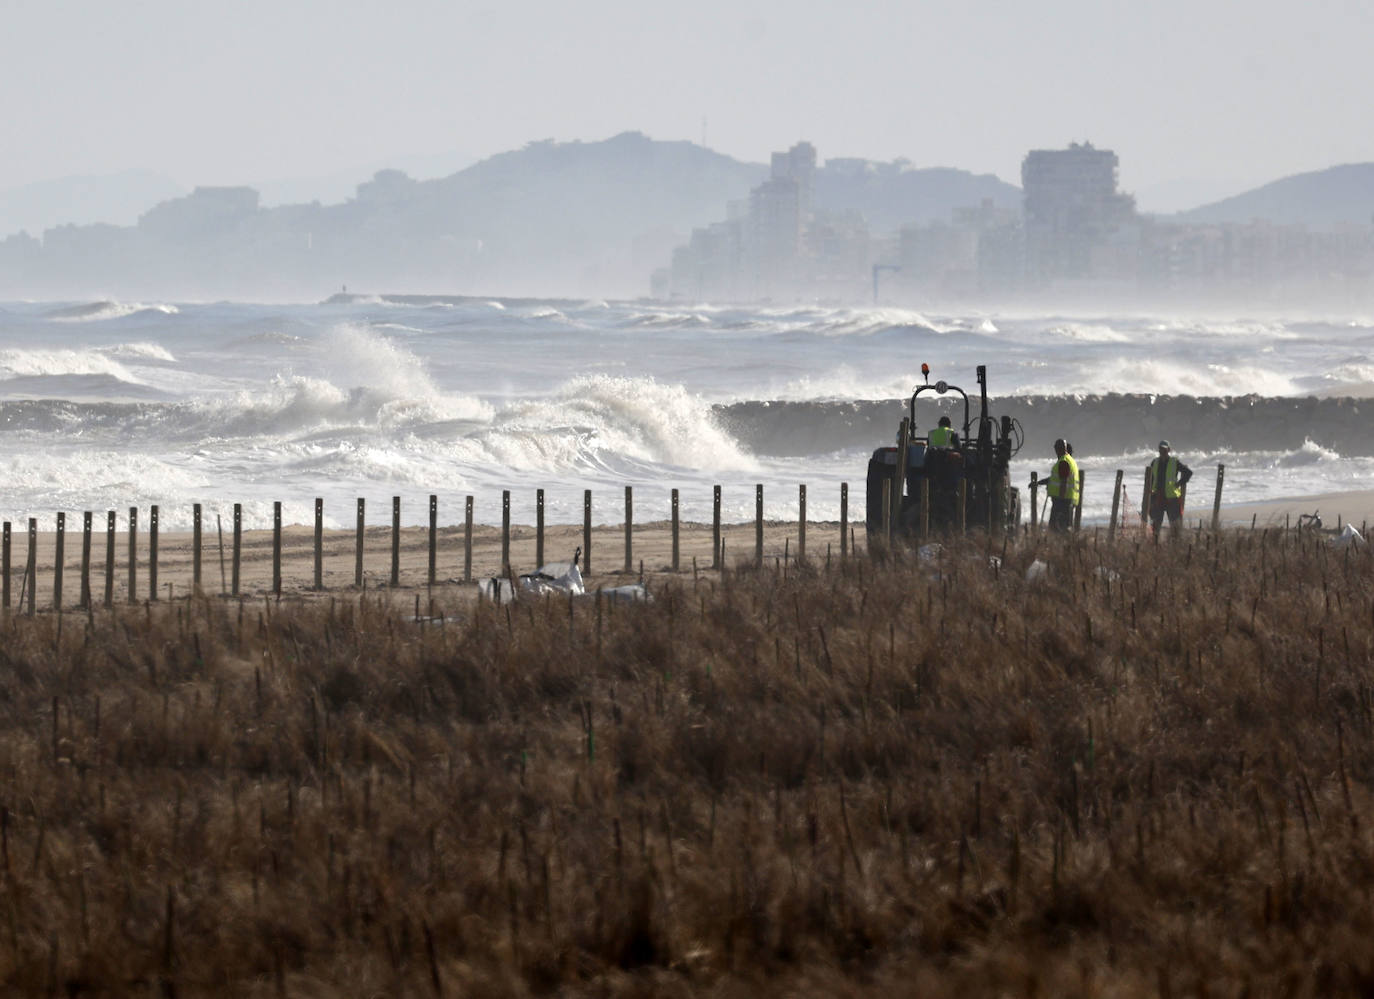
1167,478
942,435
1062,487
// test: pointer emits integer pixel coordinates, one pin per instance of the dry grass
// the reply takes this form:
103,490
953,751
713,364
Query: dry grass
1149,773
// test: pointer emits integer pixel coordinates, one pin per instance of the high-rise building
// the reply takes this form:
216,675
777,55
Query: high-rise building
1072,209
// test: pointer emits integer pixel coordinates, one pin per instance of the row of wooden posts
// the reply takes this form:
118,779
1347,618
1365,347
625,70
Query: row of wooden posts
1118,507
230,584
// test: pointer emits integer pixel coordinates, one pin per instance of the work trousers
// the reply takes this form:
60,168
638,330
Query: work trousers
1159,506
1061,513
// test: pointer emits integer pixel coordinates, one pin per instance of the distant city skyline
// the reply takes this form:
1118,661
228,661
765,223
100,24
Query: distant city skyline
1201,98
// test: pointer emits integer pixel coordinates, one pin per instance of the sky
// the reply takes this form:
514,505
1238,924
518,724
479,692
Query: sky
1193,95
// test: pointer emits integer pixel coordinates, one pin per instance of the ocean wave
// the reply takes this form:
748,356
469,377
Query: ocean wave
32,363
96,311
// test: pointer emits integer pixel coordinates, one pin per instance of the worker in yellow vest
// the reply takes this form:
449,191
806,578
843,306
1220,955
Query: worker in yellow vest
942,435
1168,478
1062,487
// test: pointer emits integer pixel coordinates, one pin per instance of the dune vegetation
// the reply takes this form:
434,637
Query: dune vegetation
1146,770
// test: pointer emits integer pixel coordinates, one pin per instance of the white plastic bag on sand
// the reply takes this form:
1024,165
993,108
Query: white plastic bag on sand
556,577
1348,537
1036,571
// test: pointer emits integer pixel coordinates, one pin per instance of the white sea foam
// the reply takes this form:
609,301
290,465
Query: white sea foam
29,363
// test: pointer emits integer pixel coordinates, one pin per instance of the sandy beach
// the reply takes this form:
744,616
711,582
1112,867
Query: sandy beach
650,553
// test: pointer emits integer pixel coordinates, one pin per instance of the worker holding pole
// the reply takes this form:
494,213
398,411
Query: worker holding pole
1061,485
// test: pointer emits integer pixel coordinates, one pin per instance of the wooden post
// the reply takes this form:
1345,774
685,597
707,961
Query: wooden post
109,557
276,547
801,522
86,560
237,561
505,532
395,541
1116,502
60,541
629,521
538,528
319,543
758,524
133,554
358,545
31,568
587,532
925,508
963,505
467,540
1035,510
152,553
196,537
1078,507
433,537
1216,502
715,527
675,529
1145,496
844,521
898,489
5,543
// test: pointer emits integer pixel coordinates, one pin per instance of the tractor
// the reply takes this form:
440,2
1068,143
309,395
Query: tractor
964,484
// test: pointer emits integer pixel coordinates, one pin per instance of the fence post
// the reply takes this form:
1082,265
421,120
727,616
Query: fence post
109,557
61,545
276,547
963,505
196,538
629,526
1035,509
5,542
587,532
1116,503
676,550
758,524
133,554
86,560
467,540
358,544
1078,507
925,508
395,541
238,549
898,487
801,522
152,553
715,528
1216,503
319,542
433,537
505,532
844,521
538,528
31,570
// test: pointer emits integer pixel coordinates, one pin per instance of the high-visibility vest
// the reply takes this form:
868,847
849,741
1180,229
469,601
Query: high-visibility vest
1066,488
1171,489
941,437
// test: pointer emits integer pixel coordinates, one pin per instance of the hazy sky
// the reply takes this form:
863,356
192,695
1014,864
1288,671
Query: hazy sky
1227,93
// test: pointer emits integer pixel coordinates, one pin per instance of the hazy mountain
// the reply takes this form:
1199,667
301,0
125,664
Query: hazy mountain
552,218
115,199
340,185
1340,194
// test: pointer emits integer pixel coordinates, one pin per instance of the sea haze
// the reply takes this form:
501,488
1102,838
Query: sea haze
108,405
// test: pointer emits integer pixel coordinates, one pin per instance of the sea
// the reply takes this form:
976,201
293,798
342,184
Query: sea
107,405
